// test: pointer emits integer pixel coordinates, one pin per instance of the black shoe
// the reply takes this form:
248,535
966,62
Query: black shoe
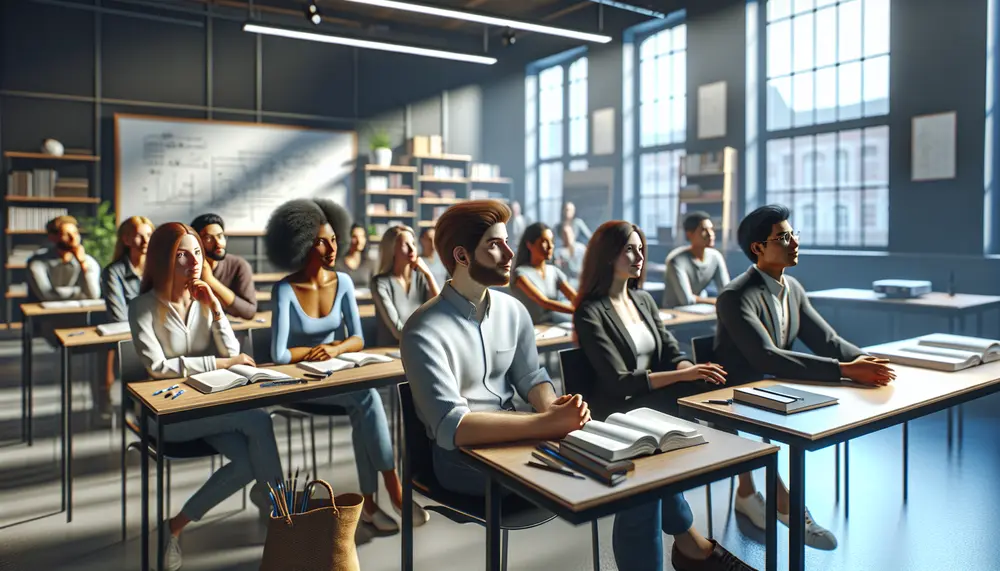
718,560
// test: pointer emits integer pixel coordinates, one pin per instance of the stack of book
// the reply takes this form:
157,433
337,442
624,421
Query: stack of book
20,254
484,171
441,171
39,183
33,219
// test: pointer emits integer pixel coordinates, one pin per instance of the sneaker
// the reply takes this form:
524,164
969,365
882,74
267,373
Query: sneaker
172,557
259,498
719,560
380,521
755,509
420,515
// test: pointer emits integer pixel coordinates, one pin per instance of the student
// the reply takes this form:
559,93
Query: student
315,317
229,276
517,223
64,270
430,257
465,397
120,281
536,283
569,257
691,268
356,263
179,329
403,283
761,314
580,228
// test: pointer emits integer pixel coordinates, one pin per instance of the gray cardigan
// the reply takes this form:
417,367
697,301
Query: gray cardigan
745,337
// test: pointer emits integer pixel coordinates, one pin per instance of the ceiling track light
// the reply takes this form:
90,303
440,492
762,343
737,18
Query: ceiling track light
631,8
313,15
366,44
486,19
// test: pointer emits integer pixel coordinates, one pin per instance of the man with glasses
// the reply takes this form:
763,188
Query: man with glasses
761,314
690,269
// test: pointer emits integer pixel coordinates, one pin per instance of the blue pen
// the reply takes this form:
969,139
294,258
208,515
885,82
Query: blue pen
165,390
179,393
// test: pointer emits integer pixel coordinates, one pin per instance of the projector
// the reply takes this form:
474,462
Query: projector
903,289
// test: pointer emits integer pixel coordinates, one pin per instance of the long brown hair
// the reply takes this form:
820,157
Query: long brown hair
387,247
162,254
129,226
603,250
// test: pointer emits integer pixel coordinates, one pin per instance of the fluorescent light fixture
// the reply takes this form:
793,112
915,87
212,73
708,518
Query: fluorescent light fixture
366,44
485,19
631,8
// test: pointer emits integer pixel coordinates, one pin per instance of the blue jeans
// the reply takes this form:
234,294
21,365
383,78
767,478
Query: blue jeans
638,533
246,438
370,435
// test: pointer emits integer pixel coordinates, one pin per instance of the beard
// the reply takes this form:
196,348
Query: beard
65,247
488,275
213,256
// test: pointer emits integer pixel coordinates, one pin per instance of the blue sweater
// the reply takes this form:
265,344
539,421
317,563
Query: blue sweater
292,327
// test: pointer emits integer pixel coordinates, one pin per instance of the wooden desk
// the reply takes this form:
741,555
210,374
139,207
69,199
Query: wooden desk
194,405
861,410
264,296
29,313
581,501
88,339
268,278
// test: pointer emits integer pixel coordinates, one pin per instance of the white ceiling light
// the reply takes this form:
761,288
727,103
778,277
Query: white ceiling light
485,19
366,44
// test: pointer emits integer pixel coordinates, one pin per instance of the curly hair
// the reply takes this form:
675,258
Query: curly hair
293,227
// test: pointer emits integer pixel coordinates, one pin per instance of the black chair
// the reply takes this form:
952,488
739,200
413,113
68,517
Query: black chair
516,513
130,370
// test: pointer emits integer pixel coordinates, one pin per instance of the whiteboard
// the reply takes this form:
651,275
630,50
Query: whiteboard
172,170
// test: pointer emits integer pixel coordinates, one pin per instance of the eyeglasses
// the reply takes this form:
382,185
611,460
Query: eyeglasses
785,238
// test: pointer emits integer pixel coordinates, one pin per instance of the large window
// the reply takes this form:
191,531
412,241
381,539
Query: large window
827,139
661,127
557,136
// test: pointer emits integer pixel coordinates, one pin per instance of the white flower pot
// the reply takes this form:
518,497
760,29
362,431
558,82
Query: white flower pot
383,156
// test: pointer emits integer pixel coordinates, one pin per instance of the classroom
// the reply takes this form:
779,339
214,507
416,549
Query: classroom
575,285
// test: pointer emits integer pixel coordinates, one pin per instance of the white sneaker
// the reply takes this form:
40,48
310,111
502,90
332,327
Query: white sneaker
754,508
420,515
172,557
380,520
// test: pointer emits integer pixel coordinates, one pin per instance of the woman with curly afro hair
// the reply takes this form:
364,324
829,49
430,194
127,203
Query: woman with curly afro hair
315,317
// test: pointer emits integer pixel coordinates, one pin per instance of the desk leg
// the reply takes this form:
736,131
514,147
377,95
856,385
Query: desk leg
797,509
121,422
847,479
67,435
906,461
836,469
143,448
771,501
493,533
26,382
407,563
160,547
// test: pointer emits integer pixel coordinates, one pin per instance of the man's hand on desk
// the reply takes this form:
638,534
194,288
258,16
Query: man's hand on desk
868,370
566,414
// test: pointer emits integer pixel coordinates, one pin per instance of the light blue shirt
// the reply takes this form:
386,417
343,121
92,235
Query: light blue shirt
292,327
456,365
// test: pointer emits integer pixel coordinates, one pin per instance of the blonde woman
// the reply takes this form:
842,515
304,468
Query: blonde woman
120,280
403,283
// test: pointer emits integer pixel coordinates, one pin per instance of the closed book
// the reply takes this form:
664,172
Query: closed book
612,480
593,462
781,398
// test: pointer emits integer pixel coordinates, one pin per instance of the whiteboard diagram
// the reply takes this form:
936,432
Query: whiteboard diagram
172,170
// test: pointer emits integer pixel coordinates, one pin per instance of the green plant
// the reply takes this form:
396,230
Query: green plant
380,140
100,234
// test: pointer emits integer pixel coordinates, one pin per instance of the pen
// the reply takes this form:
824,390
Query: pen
75,333
279,383
780,394
718,401
556,470
314,376
165,390
177,394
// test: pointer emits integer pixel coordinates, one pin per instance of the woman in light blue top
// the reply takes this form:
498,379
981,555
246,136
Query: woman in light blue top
537,283
315,317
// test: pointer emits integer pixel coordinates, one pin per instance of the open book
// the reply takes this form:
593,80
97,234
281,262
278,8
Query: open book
636,433
940,351
699,308
65,304
235,376
116,328
343,361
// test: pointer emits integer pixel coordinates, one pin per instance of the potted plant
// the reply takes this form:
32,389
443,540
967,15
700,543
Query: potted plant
381,148
100,234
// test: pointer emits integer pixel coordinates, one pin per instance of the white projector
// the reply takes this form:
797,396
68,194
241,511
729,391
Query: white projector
902,288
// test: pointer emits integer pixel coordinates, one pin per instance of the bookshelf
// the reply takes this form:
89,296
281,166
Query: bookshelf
388,197
38,187
707,181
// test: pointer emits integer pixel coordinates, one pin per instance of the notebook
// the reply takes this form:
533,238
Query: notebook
236,376
699,308
553,332
65,304
940,351
781,398
343,361
117,328
636,433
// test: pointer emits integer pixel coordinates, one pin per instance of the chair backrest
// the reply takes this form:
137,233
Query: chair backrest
577,373
130,367
260,345
416,444
703,348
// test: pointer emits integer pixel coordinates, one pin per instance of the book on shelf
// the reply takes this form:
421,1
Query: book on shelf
484,171
20,218
697,308
20,289
236,376
21,253
116,328
781,398
430,194
639,432
343,361
479,194
442,171
939,351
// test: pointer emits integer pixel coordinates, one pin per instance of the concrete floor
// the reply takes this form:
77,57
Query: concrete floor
948,523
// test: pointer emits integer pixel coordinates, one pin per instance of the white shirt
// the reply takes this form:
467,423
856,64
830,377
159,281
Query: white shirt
645,344
171,346
779,295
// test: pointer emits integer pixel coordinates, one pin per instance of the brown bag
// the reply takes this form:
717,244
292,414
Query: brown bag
321,539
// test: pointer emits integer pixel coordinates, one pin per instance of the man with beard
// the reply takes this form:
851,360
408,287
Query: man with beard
464,394
229,276
64,271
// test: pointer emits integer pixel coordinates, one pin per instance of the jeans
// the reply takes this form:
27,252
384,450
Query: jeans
637,537
370,435
456,474
246,438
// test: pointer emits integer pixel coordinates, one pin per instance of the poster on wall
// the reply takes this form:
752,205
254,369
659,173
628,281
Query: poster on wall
712,110
933,146
603,129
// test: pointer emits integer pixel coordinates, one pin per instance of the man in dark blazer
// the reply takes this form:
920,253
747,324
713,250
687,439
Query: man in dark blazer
761,314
